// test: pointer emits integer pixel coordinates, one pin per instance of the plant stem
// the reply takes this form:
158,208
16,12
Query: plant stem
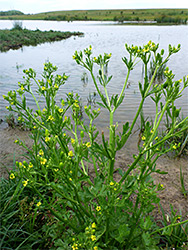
169,226
124,86
142,101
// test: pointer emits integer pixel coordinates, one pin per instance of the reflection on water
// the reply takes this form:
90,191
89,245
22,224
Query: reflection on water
103,38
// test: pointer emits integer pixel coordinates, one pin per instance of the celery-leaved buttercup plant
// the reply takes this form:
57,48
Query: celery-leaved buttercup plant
96,211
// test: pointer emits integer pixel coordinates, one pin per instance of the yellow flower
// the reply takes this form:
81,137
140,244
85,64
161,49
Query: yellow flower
56,169
12,176
22,88
34,127
95,248
30,165
43,88
50,118
19,118
70,153
70,179
98,208
76,105
143,138
94,225
60,110
56,86
75,246
88,144
47,139
93,237
174,147
25,183
38,204
16,141
72,141
156,138
41,152
43,161
145,49
111,183
179,217
64,134
20,164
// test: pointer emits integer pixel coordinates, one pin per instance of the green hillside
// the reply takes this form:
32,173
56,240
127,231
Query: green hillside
11,13
159,15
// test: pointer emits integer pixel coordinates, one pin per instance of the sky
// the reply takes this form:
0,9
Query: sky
37,6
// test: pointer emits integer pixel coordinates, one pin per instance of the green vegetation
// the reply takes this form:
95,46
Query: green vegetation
17,25
18,37
11,13
68,194
181,140
169,19
176,16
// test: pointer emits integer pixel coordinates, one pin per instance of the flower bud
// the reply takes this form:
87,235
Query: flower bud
82,134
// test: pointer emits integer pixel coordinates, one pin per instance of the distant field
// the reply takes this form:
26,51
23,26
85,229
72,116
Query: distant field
159,15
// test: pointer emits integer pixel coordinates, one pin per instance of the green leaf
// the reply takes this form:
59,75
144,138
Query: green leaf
148,242
161,172
120,101
24,102
140,88
101,105
167,231
123,233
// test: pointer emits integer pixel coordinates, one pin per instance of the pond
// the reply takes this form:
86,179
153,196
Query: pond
104,37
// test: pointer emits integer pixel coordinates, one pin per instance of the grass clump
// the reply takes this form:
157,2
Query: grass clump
17,25
16,216
18,37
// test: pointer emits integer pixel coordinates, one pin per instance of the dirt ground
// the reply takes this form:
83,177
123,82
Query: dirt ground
10,152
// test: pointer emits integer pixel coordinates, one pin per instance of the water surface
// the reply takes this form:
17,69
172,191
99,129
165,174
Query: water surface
104,37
